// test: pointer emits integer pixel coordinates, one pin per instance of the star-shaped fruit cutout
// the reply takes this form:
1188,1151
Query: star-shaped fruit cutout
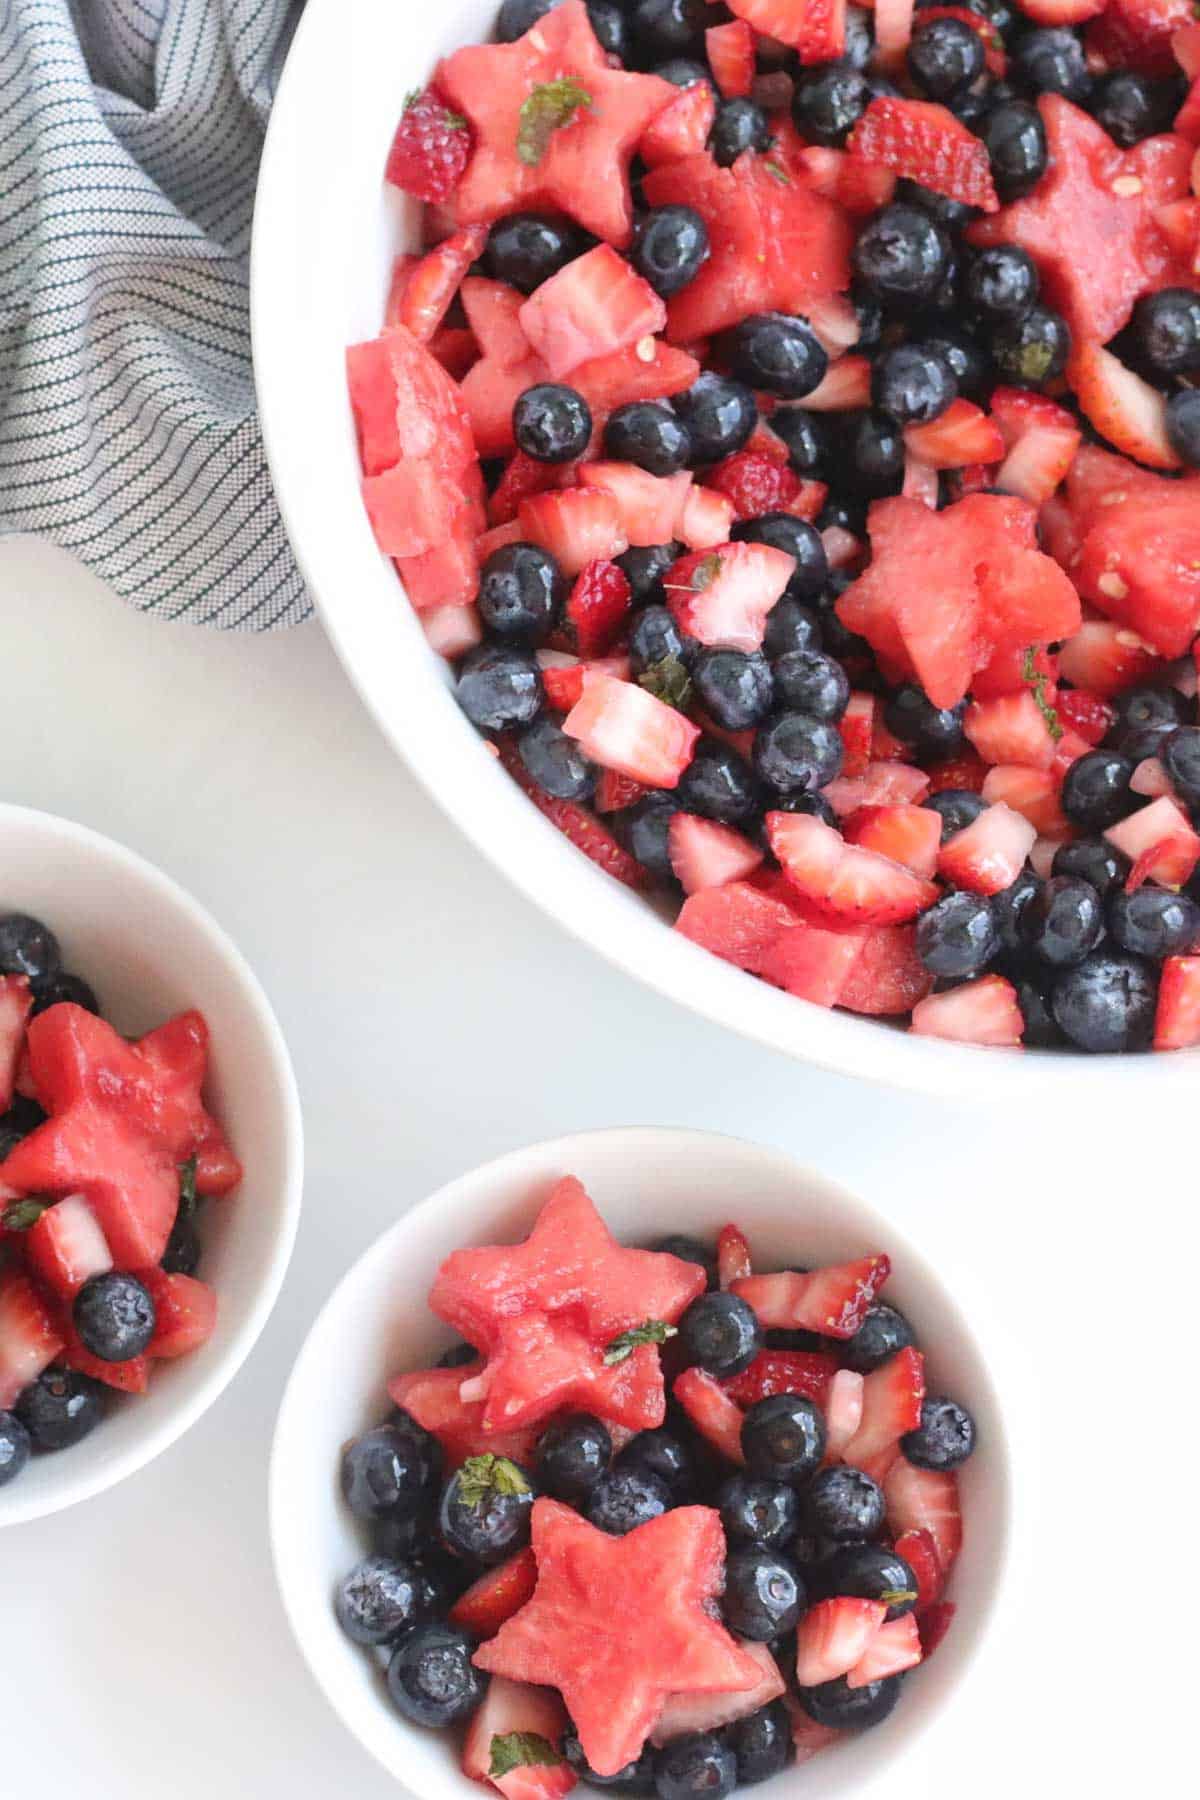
568,1316
554,125
617,1624
1090,225
123,1118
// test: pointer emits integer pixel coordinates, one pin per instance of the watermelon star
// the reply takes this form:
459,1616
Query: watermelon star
1089,225
547,1314
554,125
617,1624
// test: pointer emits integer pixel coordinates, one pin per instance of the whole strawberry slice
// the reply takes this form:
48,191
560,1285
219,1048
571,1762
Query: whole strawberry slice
496,1595
892,1399
833,1638
926,143
807,1372
846,883
430,150
722,596
831,1301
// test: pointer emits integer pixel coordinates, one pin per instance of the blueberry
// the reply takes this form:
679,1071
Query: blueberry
794,753
499,688
740,125
670,27
457,1356
971,363
945,1437
902,255
1131,106
379,1599
1032,350
843,1708
718,785
644,567
797,539
643,829
736,689
828,101
635,1778
882,1333
1183,425
114,1316
669,246
1095,790
648,434
1149,708
685,72
1002,282
932,731
957,808
27,947
554,761
697,1767
626,1498
689,1249
860,36
778,353
844,1504
552,423
1107,1002
764,1596
612,28
720,1333
654,636
761,1744
869,314
572,1454
431,1678
874,453
758,1512
807,681
1181,759
389,1471
957,936
1051,61
1154,922
1039,1030
1064,922
944,57
866,1572
1008,909
913,383
1095,861
952,214
14,1447
1015,140
519,16
63,989
661,1454
783,1437
1165,329
485,1510
806,435
404,1537
528,248
60,1408
791,627
813,806
720,415
521,594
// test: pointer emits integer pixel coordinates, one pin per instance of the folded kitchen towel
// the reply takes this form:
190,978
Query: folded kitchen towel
130,133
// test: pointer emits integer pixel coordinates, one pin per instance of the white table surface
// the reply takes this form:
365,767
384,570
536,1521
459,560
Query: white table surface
436,1019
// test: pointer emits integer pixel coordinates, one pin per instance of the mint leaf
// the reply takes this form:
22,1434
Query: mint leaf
779,172
22,1214
706,572
187,1188
897,1596
668,681
1033,678
484,1475
550,106
521,1750
653,1331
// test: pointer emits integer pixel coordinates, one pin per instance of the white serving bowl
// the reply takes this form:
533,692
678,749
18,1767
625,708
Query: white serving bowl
646,1183
326,231
150,952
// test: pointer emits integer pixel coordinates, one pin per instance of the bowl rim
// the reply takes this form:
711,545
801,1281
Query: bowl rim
163,888
564,1152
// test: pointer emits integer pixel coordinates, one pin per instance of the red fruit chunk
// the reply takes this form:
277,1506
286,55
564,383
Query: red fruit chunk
882,784
833,1637
730,52
1041,441
979,1012
831,1301
910,835
1106,659
66,1247
756,483
578,526
1009,671
845,387
933,1624
496,1596
1061,12
430,150
843,1413
511,1711
894,1648
1138,34
1140,563
436,279
723,596
1161,843
1088,715
706,520
715,1416
597,607
919,1550
554,126
808,1372
1030,792
963,435
738,923
595,306
733,1255
842,881
1010,729
579,826
815,29
132,1376
1089,224
433,1399
859,187
681,129
857,728
1177,1021
407,408
185,1312
522,477
892,1399
447,575
29,1341
614,792
889,977
687,1713
809,1738
812,963
622,727
648,506
925,142
16,1004
707,855
647,370
584,1631
893,27
923,1500
1126,410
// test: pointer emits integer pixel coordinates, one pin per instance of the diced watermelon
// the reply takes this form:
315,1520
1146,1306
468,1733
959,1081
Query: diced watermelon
812,963
29,1341
185,1312
889,977
738,923
16,1004
65,1247
432,1398
686,1713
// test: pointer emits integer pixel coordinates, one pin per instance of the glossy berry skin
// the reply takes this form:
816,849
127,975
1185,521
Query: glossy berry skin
957,807
912,382
828,102
735,689
1131,106
1154,922
528,248
874,455
521,594
1095,790
1183,425
783,1437
499,688
1165,329
944,57
661,1454
635,1778
669,27
967,357
404,1537
1002,282
779,354
1107,1002
457,1356
843,1708
1008,909
761,1744
791,626
685,72
932,731
650,435
516,17
55,990
957,936
814,806
626,1498
431,1678
643,829
669,245
718,785
798,539
487,1530
1032,350
809,682
844,1504
1015,140
644,568
1181,759
1051,61
572,1454
866,1572
1149,709
1039,1031
740,125
555,761
697,1767
1064,922
719,413
1095,861
27,947
758,1512
720,1333
388,1472
902,256
654,636
114,1316
763,1596
807,438
882,1333
794,753
14,1447
610,22
60,1408
379,1599
552,423
945,1437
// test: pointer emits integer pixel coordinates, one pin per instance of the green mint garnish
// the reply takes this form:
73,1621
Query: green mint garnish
706,572
653,1331
484,1475
897,1596
187,1188
550,106
1032,676
668,681
22,1214
521,1750
1034,360
454,121
779,172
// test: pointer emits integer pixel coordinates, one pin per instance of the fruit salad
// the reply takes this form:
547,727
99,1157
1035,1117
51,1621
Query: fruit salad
659,1522
106,1152
789,433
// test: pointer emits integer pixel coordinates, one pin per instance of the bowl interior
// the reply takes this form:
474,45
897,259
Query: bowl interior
150,951
646,1183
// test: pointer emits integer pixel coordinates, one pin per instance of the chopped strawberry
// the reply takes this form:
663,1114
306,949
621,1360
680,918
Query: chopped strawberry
577,526
919,1550
563,685
845,386
65,1247
756,482
808,1372
647,370
910,835
28,1339
892,1397
579,826
831,1301
894,1648
850,884
707,855
513,1733
1061,12
920,481
613,792
496,1595
1041,440
881,784
960,772
455,348
738,923
686,1713
1145,834
16,1004
523,475
131,1376
979,1012
730,52
680,129
843,1413
1012,728
858,186
1087,714
962,435
1150,779
889,977
809,1738
593,307
1185,48
1138,34
648,506
1009,670
857,728
430,150
1125,409
815,29
925,142
715,1416
924,1500
622,727
597,607
893,26
706,520
1177,1021
723,596
433,283
812,963
1031,792
733,1255
933,1623
833,1637
989,854
433,1398
1106,659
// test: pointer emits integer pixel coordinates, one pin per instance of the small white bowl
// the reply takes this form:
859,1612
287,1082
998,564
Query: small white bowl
646,1183
150,951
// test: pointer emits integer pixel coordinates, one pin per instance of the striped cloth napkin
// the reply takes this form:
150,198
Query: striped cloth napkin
130,133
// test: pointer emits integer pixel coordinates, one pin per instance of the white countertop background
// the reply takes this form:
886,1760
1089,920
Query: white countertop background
436,1019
